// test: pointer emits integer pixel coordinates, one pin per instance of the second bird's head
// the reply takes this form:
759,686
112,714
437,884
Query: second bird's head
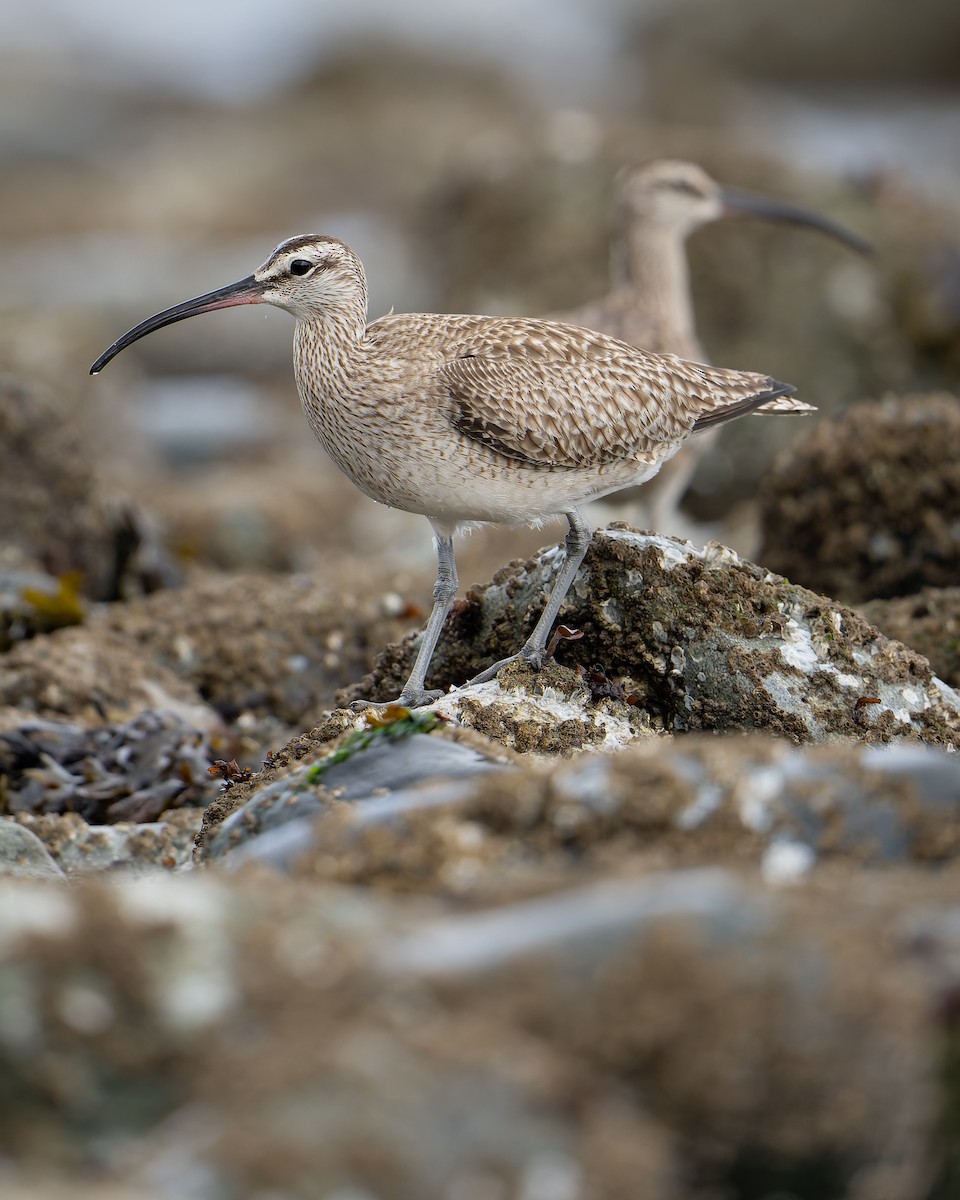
307,275
670,197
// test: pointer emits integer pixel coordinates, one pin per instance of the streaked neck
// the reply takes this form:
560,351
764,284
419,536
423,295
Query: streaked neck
653,263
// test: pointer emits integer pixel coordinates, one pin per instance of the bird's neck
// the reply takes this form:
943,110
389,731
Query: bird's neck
329,339
653,263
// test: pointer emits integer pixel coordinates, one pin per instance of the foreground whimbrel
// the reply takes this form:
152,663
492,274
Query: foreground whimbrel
657,206
469,419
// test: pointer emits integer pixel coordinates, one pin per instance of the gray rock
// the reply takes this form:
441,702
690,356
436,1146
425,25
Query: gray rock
400,767
782,808
82,849
582,928
703,639
23,854
386,1046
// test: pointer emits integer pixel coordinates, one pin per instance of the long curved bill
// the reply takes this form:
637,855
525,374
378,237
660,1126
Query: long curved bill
748,204
245,291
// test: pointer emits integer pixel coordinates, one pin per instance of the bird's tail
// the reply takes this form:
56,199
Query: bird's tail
725,394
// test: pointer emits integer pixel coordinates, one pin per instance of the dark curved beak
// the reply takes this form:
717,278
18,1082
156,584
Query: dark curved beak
245,291
737,203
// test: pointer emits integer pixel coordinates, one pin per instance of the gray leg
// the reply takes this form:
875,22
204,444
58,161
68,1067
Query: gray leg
444,590
534,650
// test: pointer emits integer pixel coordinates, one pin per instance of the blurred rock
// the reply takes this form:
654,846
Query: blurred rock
395,760
79,848
867,505
689,801
133,770
817,44
259,647
699,639
626,1034
23,854
270,648
55,506
93,675
929,622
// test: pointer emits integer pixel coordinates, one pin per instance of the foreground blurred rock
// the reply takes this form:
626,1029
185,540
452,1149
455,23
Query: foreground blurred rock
412,805
699,639
867,504
669,1036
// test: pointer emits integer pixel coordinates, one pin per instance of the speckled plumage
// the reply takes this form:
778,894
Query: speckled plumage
511,419
471,419
657,205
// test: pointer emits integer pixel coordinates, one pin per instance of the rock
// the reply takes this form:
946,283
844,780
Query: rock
929,622
266,646
241,659
698,639
243,1031
90,675
812,47
553,712
55,503
867,505
23,854
136,848
395,761
437,817
132,770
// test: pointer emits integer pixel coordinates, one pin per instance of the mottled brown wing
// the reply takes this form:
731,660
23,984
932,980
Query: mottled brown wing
560,397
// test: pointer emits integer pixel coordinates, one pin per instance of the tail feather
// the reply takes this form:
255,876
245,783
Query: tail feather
775,397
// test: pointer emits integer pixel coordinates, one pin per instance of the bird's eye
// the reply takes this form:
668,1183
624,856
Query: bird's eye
300,266
681,185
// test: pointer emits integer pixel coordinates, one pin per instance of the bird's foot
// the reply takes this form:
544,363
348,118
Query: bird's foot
534,658
415,698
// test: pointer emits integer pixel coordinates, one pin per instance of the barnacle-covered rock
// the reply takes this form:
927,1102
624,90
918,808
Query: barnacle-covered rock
698,639
929,621
867,505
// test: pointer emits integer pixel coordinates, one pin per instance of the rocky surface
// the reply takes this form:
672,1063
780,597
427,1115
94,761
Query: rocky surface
121,717
567,934
411,790
929,622
699,639
261,645
57,510
52,846
866,505
674,1031
23,854
815,45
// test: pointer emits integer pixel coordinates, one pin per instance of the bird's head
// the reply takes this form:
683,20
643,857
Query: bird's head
308,276
670,196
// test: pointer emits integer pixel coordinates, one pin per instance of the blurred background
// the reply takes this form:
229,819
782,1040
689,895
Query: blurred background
467,152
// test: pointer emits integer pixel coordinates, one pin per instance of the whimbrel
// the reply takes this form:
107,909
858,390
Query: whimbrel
468,419
657,206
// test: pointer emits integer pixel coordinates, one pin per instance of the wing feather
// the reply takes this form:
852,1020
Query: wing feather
556,396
